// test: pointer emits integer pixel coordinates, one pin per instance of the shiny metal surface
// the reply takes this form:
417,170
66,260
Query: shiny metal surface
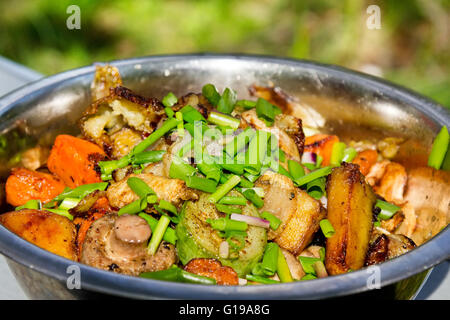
348,103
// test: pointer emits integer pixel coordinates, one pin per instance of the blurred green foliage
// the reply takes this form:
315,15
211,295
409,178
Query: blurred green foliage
411,48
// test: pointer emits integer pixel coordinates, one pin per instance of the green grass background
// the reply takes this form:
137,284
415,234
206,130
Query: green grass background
412,48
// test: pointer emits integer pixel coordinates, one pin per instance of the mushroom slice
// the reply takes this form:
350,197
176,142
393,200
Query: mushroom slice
111,245
174,190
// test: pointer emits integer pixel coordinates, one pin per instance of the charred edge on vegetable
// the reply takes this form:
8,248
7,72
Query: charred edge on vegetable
319,143
378,251
135,98
299,137
94,159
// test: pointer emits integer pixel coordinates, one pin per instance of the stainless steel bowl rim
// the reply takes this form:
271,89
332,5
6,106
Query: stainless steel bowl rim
420,259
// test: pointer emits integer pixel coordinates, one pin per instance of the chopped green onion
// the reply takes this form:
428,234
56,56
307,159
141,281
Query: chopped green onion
178,275
251,195
180,125
203,184
307,264
266,111
283,269
337,154
180,169
166,205
446,163
169,235
209,91
30,204
169,100
169,112
439,149
326,227
148,156
186,148
133,207
107,167
168,125
158,234
233,200
295,169
274,221
309,276
222,190
61,212
81,191
191,115
140,187
223,120
246,104
227,101
68,203
227,209
259,279
210,170
258,190
224,224
387,209
270,259
349,154
316,188
322,172
322,254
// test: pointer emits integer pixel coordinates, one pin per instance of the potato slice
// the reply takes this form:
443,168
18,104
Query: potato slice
47,230
350,203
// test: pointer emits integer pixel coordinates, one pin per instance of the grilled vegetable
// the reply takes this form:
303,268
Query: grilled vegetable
212,268
173,190
196,238
47,230
366,159
300,214
321,144
350,204
74,160
23,185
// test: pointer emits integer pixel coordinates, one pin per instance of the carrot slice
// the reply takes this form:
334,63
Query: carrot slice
321,144
74,160
24,185
98,210
212,268
366,159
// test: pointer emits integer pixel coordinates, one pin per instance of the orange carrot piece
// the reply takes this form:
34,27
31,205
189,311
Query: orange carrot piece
74,160
212,268
366,159
98,210
321,144
24,185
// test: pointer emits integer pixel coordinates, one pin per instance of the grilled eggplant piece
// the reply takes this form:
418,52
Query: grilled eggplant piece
109,245
300,214
47,230
196,238
378,250
428,192
288,129
120,109
174,190
350,204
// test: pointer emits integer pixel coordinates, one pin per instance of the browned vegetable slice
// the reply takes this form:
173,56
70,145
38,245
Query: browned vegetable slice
350,204
300,214
378,250
173,190
47,230
106,77
24,185
212,268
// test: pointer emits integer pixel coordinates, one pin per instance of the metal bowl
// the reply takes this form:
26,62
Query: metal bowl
351,104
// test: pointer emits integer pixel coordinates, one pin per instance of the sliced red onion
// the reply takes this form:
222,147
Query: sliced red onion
254,221
224,250
309,157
